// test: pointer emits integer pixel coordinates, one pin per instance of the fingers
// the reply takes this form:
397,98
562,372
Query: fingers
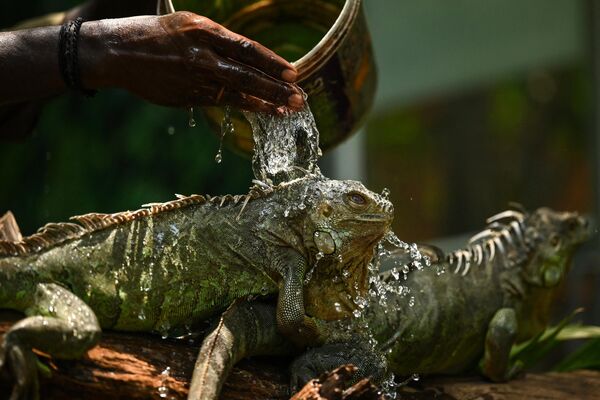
247,102
240,48
215,57
239,100
242,78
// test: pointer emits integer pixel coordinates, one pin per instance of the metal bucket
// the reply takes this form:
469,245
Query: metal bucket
328,39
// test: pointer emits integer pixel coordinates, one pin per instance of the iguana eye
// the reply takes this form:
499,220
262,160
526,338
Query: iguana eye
357,198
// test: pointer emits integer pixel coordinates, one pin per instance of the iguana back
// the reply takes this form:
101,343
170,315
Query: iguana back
168,266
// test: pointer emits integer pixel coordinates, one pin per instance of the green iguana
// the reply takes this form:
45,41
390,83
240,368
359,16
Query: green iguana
167,266
495,292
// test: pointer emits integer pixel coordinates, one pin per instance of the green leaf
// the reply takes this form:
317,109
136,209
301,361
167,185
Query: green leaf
532,351
586,357
576,331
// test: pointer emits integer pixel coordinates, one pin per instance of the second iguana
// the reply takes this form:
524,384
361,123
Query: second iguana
167,266
468,308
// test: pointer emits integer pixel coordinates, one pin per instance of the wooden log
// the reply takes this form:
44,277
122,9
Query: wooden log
334,386
138,366
581,385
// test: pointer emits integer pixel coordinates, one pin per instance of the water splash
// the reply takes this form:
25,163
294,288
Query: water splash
286,145
380,289
163,390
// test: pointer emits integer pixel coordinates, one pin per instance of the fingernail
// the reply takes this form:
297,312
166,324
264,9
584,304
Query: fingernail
289,75
295,101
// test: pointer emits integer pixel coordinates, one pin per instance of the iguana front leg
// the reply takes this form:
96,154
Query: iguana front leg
244,330
500,337
291,317
59,324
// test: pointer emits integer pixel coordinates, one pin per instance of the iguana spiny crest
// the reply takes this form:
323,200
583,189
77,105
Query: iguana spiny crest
53,234
514,236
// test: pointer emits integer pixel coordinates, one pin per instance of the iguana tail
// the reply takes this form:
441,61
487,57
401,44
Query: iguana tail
245,329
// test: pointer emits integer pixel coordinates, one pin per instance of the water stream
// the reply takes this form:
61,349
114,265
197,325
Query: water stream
286,146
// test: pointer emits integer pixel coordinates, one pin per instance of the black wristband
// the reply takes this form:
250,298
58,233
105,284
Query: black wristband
68,56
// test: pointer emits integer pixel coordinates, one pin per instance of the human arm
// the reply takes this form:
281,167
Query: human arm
178,60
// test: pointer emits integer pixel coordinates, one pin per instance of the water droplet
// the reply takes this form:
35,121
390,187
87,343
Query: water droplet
191,121
163,392
411,301
385,193
171,130
226,127
338,307
319,255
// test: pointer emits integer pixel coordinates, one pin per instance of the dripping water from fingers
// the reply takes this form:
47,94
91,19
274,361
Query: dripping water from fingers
226,128
191,120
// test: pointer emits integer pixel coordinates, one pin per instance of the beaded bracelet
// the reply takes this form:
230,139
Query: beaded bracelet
68,57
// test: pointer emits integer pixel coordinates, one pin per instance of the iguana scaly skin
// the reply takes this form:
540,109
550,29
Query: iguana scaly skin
495,292
166,267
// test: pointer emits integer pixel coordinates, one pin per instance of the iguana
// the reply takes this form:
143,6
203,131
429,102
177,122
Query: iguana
494,292
167,266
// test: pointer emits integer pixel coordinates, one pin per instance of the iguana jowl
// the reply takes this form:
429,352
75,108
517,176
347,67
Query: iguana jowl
168,266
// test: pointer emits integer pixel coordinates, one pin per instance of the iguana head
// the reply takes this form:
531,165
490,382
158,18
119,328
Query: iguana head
344,223
552,237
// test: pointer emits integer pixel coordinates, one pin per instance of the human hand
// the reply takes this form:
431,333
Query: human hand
185,60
